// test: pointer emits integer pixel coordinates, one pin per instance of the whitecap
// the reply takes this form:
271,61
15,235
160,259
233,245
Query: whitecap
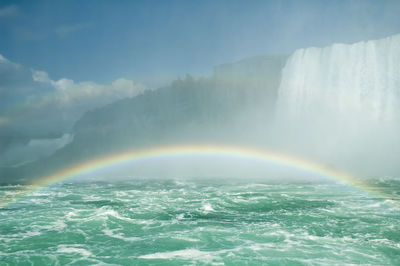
207,207
57,226
180,216
186,238
121,236
120,193
20,236
183,254
74,249
104,211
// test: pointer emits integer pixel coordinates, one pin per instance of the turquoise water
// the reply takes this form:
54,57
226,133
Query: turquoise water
169,222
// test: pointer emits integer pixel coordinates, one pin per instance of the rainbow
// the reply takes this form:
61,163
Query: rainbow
196,150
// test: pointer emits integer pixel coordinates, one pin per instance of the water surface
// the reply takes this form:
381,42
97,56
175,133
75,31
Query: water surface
170,222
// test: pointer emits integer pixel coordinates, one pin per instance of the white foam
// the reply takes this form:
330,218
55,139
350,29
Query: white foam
180,216
121,193
70,215
105,211
207,207
181,237
121,236
12,193
182,254
20,236
57,226
91,198
102,213
74,249
39,201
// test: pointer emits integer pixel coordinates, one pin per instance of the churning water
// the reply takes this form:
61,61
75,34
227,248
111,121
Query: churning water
170,222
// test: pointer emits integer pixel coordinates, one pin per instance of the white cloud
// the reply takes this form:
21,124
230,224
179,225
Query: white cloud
69,92
40,76
37,107
63,84
3,59
8,11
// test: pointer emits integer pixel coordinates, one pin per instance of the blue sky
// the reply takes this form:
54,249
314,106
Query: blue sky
155,41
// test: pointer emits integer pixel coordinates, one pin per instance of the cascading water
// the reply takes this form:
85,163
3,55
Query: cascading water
361,78
343,101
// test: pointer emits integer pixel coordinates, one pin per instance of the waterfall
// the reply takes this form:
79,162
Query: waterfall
360,79
341,104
